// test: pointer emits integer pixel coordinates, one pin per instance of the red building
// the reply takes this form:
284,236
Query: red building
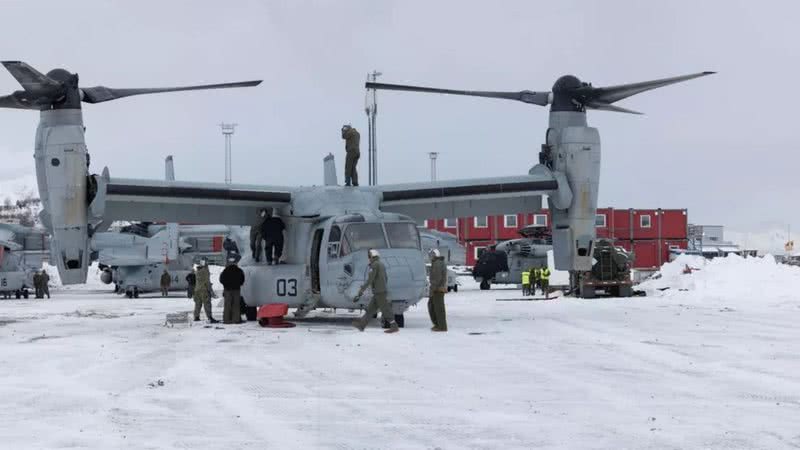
649,232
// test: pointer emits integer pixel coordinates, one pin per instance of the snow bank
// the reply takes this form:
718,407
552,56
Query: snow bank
92,279
725,278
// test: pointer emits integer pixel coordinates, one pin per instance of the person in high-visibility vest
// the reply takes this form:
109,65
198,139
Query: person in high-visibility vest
536,279
526,282
544,277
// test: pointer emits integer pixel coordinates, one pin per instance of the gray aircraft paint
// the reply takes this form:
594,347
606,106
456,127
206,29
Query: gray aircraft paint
24,250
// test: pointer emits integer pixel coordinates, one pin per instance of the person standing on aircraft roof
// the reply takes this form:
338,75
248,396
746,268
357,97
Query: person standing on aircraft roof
45,284
376,280
232,279
202,297
166,280
352,144
256,239
191,279
438,288
272,233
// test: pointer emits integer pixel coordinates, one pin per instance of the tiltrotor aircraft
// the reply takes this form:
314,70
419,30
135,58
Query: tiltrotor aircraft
135,257
330,227
22,251
569,159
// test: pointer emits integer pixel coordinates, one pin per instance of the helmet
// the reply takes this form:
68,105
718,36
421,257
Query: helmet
435,253
373,253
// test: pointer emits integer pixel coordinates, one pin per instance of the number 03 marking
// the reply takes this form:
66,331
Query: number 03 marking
286,287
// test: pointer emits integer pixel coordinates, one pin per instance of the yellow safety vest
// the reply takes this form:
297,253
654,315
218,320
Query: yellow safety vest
545,273
526,278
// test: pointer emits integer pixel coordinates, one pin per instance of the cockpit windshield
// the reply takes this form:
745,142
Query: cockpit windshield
402,235
363,236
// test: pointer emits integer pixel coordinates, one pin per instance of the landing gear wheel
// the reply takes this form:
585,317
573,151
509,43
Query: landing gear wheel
129,294
18,294
485,285
250,312
455,288
449,289
401,321
25,293
136,292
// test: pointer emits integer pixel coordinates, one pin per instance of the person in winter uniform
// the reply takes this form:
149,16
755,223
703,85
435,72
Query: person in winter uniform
232,279
45,284
544,281
526,282
438,288
352,144
166,280
231,249
191,279
536,275
202,297
256,240
377,281
37,284
272,233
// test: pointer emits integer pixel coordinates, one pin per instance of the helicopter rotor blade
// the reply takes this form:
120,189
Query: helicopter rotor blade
534,98
30,78
99,94
611,94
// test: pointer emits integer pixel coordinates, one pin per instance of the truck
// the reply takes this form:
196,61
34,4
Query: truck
610,274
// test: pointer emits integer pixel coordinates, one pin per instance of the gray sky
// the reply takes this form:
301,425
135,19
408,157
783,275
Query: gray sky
720,146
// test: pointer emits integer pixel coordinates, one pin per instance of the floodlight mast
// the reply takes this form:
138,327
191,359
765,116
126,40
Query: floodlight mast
227,131
371,109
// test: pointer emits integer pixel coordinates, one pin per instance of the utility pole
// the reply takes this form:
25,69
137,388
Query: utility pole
227,132
371,108
433,156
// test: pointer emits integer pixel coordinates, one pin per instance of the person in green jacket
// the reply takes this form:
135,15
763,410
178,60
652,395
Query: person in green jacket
166,280
438,288
202,296
376,280
352,143
544,281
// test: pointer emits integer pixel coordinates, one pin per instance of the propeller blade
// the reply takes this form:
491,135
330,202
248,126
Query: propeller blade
8,101
609,107
98,94
613,94
30,78
534,98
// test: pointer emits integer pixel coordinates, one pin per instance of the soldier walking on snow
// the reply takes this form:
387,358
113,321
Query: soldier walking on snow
352,143
377,281
438,288
37,284
45,284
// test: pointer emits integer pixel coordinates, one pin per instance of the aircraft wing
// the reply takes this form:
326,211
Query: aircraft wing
187,202
462,198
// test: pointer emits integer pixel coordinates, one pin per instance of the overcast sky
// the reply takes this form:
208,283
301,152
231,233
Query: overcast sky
721,146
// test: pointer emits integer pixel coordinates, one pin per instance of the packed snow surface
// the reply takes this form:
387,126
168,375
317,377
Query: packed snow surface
715,366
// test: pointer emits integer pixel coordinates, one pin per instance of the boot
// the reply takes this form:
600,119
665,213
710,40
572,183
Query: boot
393,328
212,320
358,323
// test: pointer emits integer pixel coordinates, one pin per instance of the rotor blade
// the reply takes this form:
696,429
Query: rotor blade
98,94
535,98
613,94
27,76
609,107
8,101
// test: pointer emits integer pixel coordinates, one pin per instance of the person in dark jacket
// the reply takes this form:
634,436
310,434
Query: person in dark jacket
232,279
191,279
272,233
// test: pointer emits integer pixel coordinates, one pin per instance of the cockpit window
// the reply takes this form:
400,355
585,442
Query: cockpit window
336,234
402,235
362,236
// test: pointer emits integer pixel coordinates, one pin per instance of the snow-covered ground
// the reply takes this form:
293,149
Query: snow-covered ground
684,369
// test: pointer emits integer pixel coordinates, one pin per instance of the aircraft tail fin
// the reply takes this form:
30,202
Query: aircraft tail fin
329,170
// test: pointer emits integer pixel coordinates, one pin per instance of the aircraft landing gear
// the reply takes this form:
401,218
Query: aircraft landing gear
18,294
25,293
485,285
250,312
401,320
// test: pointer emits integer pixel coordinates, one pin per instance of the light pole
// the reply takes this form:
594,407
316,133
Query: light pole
227,131
433,156
371,108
